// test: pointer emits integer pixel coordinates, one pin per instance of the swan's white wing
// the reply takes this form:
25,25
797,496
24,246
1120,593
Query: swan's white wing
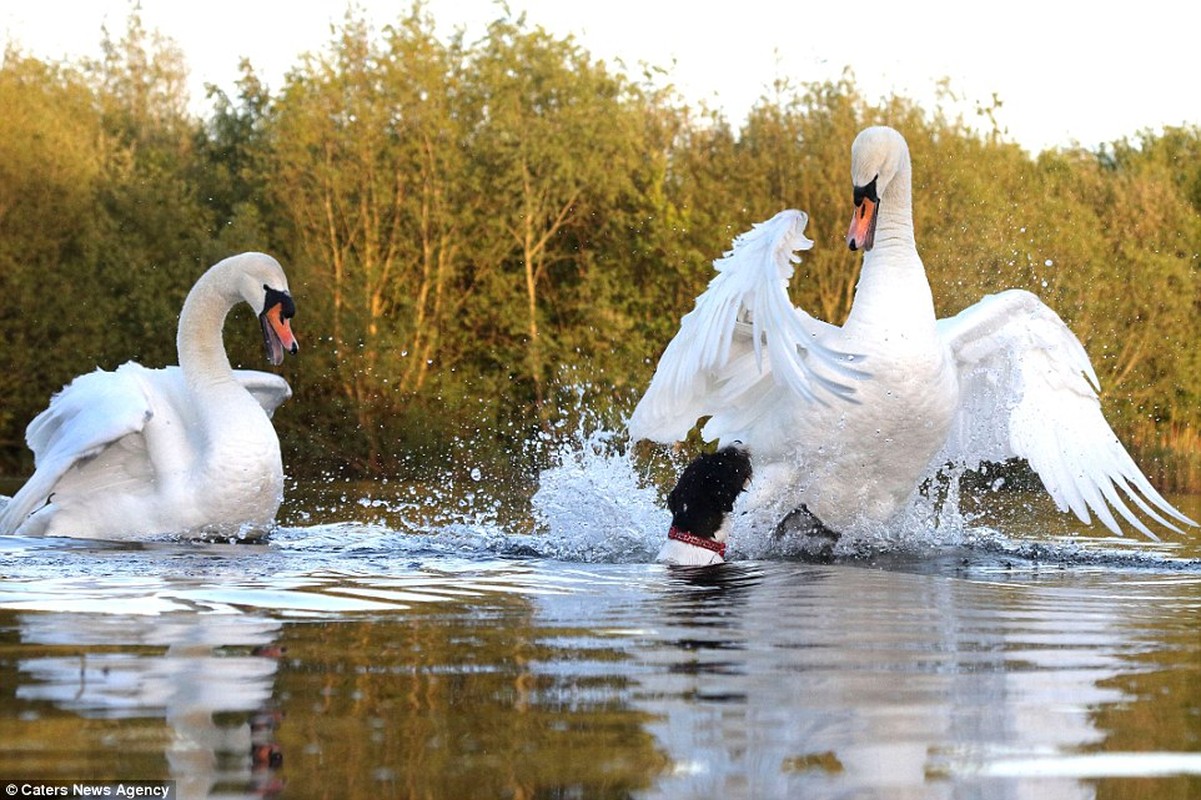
748,297
87,416
269,389
1028,390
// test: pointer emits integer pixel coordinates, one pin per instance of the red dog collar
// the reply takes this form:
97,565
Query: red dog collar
697,541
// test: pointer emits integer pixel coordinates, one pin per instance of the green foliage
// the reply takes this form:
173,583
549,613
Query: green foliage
51,165
485,237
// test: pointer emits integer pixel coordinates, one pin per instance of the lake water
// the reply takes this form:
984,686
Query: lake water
362,654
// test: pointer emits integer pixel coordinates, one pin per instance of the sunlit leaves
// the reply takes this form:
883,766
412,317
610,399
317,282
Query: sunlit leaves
473,229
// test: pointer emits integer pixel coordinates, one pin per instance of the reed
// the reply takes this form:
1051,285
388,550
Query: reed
1169,454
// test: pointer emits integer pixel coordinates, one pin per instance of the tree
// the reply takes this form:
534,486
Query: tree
484,237
154,237
554,145
366,150
52,158
231,170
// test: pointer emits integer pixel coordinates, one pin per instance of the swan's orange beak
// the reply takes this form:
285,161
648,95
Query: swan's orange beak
277,330
862,234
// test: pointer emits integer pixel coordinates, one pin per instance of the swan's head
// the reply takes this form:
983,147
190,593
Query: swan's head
878,155
264,286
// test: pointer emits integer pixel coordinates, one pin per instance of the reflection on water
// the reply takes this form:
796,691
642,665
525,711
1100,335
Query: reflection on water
833,678
126,691
481,703
353,660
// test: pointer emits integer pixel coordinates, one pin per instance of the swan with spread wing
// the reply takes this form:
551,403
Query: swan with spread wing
186,449
906,393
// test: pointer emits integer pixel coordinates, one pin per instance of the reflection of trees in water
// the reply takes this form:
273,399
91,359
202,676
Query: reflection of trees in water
753,679
815,680
109,697
469,700
1163,710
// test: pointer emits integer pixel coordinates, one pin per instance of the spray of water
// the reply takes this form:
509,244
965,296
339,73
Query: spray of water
594,502
592,505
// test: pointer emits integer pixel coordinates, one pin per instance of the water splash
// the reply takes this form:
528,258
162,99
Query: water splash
593,505
596,503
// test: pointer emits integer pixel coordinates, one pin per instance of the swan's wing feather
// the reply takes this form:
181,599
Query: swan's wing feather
1028,390
88,415
748,296
269,389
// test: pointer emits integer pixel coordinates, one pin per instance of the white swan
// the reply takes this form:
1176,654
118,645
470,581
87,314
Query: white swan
1004,378
179,450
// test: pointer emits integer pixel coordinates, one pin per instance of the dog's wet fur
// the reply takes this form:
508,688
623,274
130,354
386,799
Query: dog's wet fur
707,489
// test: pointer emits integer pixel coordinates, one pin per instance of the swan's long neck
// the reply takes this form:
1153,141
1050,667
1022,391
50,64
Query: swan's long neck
894,229
199,342
893,294
231,447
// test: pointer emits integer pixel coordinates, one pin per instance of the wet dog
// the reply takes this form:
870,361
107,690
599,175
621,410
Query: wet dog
700,506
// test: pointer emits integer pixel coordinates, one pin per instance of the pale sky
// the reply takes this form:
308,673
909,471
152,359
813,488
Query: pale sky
1066,72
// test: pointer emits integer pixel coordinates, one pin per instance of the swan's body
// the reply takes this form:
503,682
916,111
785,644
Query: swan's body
1004,378
179,450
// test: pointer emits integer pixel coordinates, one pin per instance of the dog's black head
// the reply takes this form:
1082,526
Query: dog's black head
707,489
